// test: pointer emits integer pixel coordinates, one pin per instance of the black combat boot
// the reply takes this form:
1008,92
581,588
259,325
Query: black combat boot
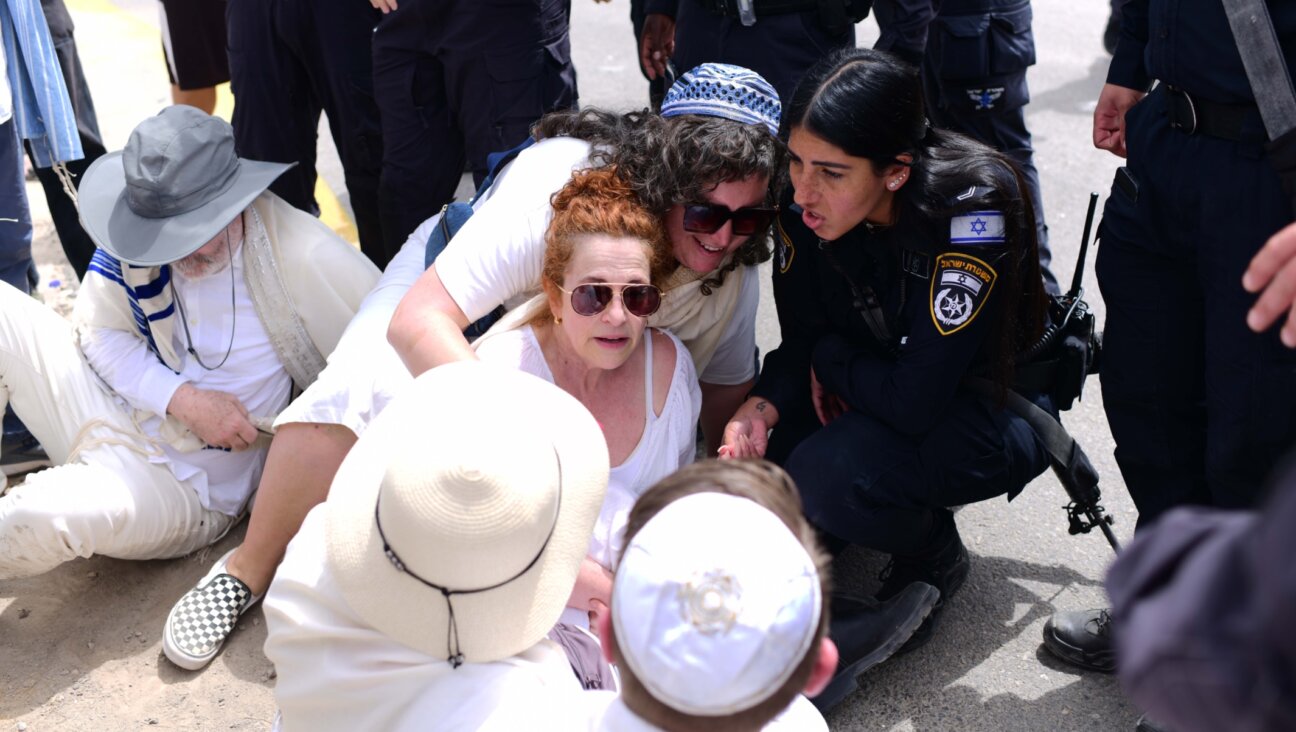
946,569
868,631
1082,638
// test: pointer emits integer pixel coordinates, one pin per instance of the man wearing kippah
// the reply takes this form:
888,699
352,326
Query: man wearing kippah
722,623
189,336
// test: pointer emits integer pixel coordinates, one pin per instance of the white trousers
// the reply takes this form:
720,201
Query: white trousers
109,499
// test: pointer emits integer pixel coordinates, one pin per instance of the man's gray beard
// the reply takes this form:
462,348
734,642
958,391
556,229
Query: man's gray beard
197,267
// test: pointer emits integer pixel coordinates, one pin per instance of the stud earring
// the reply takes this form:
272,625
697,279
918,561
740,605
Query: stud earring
558,319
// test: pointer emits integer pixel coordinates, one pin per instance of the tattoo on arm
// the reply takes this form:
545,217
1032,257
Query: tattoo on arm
760,406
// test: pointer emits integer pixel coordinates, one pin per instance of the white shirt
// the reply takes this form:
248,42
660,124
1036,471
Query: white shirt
337,673
253,374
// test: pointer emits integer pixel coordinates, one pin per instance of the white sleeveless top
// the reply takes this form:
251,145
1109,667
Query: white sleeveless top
667,444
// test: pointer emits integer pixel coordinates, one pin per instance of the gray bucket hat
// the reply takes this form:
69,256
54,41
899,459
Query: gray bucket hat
174,187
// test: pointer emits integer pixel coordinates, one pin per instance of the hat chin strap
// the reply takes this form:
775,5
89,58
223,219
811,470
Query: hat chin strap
456,657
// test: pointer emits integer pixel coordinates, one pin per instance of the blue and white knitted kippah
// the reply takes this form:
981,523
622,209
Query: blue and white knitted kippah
725,91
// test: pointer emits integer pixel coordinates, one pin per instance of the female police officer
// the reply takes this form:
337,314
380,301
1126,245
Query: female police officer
906,269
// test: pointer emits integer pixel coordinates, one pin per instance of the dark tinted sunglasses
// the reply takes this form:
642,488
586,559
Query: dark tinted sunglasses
593,298
707,218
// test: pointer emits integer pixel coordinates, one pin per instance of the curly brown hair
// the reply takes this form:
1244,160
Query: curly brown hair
677,160
600,201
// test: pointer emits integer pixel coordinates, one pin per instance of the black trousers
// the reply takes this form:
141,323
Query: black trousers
778,47
866,483
290,60
1200,407
457,80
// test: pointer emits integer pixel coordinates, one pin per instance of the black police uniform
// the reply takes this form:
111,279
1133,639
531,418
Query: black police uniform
290,59
1199,406
456,80
788,37
974,55
914,440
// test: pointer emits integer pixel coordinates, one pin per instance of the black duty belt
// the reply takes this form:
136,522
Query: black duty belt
1193,115
729,8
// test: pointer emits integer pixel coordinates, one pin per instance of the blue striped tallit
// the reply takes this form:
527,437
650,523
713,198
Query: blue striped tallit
42,112
150,301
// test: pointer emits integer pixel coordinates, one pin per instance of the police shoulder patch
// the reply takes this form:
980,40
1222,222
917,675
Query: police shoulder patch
784,249
960,285
977,228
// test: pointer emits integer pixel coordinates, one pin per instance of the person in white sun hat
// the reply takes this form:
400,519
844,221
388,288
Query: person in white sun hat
419,594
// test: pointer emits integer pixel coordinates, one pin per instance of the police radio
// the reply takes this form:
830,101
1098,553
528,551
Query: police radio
1068,351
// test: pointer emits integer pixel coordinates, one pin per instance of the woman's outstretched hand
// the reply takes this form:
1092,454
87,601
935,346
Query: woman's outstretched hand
747,433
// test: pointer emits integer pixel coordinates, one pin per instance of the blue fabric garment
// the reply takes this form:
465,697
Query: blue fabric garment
41,108
16,265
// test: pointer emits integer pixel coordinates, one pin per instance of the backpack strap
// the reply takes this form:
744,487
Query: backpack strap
456,213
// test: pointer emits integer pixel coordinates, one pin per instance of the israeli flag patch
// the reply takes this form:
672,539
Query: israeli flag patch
977,228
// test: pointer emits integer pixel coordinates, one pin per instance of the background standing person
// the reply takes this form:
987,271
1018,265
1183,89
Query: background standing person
785,39
457,80
78,247
1200,406
289,61
193,42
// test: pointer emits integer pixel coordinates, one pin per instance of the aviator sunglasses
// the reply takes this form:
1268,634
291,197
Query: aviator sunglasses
707,218
593,298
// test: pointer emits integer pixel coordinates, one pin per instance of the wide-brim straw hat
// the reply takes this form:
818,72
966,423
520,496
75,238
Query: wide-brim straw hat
480,476
172,189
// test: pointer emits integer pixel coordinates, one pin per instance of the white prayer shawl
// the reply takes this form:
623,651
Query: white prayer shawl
305,282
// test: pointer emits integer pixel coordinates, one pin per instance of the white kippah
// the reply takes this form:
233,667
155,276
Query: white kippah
715,604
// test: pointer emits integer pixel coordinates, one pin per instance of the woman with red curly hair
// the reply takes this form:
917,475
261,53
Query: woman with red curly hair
605,257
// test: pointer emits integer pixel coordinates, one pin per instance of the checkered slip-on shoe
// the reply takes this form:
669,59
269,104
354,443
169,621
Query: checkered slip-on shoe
198,625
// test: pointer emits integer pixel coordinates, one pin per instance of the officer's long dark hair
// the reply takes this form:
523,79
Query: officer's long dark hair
870,104
676,160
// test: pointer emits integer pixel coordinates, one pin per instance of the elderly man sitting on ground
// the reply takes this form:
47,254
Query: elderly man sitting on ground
208,302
